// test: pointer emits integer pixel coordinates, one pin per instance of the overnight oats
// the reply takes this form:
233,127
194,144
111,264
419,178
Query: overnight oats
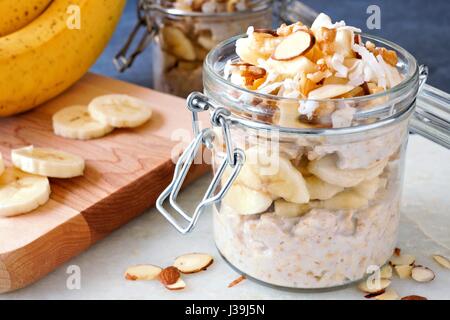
189,29
316,202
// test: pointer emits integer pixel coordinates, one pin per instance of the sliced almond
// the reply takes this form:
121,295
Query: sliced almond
193,262
404,272
402,260
422,274
264,32
386,271
443,261
414,297
179,285
389,294
169,276
374,288
373,295
142,272
295,45
236,281
330,91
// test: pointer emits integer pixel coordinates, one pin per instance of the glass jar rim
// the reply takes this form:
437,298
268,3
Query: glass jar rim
260,6
408,83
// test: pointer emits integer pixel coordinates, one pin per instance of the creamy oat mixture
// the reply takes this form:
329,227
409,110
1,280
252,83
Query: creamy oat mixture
313,211
184,42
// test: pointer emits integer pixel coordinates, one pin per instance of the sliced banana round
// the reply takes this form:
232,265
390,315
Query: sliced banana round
177,43
246,201
21,192
346,200
2,165
120,111
321,190
327,170
75,122
48,162
279,175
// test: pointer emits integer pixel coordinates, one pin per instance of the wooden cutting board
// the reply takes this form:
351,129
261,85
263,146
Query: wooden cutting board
125,173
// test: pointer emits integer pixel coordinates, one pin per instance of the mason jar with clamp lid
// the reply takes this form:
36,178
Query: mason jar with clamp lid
307,186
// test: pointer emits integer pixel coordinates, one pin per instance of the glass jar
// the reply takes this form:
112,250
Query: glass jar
181,39
306,204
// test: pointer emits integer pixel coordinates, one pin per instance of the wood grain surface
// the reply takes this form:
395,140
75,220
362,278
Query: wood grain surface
125,173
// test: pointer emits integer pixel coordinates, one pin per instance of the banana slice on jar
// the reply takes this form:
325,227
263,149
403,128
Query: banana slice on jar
369,188
120,111
279,176
327,170
321,190
346,200
75,122
290,210
2,165
245,51
21,192
177,43
246,201
47,162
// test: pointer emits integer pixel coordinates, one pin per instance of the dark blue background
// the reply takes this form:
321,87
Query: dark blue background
421,27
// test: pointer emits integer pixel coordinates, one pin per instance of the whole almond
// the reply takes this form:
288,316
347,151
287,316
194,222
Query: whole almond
169,276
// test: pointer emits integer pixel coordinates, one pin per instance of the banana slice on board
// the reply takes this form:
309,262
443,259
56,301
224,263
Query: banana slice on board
327,170
120,111
246,201
21,192
75,122
48,162
2,165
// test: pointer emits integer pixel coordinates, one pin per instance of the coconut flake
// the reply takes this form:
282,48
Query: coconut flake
227,69
308,107
372,66
337,63
209,7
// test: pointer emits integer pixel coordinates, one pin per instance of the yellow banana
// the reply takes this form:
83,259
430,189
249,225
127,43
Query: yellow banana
16,14
43,59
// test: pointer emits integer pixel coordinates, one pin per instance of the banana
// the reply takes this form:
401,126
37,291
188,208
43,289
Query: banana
246,53
327,170
290,210
290,68
279,176
346,200
259,44
47,56
120,111
369,188
47,162
247,177
246,201
76,123
17,14
21,192
2,165
321,190
177,43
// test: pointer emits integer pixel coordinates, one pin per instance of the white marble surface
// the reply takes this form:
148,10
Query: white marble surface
425,229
